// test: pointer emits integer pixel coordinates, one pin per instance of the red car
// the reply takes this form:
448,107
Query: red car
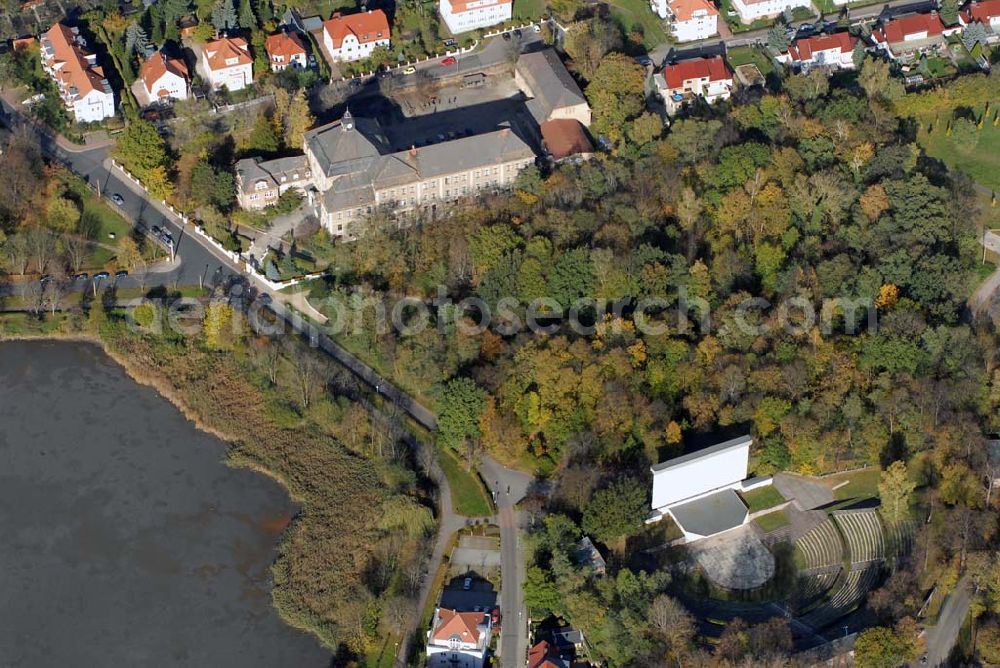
450,60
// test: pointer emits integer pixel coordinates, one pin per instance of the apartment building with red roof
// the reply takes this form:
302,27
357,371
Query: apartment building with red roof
285,49
225,62
835,51
355,36
465,15
82,85
706,78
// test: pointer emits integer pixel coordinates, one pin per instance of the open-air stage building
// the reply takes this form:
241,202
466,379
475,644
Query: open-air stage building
699,490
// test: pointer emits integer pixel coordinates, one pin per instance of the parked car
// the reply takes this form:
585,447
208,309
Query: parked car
157,231
450,42
121,274
506,37
467,584
410,70
645,61
355,83
450,60
45,279
517,33
81,277
118,199
536,28
101,275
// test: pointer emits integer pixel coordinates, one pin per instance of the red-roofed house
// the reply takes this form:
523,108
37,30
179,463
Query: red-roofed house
544,655
563,138
284,49
987,13
355,36
690,20
82,85
908,34
835,51
226,62
465,15
458,639
708,78
161,79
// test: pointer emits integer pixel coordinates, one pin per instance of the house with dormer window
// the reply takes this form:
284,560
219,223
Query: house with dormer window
458,639
226,62
81,82
355,36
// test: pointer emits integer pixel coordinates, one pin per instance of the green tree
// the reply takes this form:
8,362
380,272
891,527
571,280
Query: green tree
878,82
297,120
948,12
616,94
616,513
210,186
777,39
62,214
883,647
644,129
245,16
541,595
263,138
128,255
141,149
224,16
459,409
895,489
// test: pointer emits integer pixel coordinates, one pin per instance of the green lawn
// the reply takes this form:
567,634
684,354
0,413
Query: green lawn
529,10
468,496
112,225
635,14
745,55
734,21
940,67
981,162
765,497
860,484
772,521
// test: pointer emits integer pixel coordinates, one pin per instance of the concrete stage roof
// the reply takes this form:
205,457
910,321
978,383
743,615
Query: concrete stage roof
711,514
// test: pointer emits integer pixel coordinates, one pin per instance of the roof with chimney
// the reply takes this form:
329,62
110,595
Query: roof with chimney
367,27
285,45
713,69
157,65
227,52
898,30
804,49
251,171
460,626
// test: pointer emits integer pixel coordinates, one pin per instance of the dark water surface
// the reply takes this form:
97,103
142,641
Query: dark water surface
124,539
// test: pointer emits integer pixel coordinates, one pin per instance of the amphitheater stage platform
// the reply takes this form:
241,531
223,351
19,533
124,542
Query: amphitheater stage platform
736,559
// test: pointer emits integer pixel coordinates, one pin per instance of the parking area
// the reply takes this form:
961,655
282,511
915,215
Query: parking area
480,594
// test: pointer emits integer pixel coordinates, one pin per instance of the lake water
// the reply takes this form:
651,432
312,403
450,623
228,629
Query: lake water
124,538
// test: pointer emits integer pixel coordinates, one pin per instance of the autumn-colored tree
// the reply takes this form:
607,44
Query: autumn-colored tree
895,490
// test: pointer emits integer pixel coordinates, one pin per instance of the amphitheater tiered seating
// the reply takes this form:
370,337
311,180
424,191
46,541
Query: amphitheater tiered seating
863,533
813,585
821,547
857,583
899,538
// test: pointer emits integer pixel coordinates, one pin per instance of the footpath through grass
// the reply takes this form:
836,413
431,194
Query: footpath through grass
468,495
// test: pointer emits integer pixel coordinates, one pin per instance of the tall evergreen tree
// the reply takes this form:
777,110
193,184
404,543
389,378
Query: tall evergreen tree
224,16
136,41
246,16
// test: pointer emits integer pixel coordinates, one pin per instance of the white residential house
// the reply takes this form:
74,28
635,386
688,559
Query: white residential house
161,79
355,36
987,13
706,78
690,20
458,639
82,85
286,49
465,15
226,62
834,51
751,10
